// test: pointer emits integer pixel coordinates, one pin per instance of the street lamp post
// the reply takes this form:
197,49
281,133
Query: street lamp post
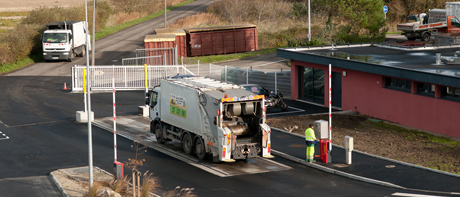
90,143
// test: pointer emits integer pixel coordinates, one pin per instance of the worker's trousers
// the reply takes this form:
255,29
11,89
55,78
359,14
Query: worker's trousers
310,152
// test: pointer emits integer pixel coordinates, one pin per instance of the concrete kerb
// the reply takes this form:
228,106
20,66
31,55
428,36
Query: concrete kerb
326,169
58,185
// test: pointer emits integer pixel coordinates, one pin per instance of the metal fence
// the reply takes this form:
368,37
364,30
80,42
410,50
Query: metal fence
126,77
132,77
272,79
169,55
138,61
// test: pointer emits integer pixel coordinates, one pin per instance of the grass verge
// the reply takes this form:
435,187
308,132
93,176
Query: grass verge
113,29
413,133
5,68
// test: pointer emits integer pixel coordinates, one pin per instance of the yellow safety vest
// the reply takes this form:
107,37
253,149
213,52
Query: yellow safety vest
310,135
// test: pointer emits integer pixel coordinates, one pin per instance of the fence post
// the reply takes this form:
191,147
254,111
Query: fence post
182,60
175,56
198,67
183,70
225,71
247,75
164,59
145,78
276,84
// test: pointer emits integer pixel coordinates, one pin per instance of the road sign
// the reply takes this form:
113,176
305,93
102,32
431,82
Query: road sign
308,36
385,9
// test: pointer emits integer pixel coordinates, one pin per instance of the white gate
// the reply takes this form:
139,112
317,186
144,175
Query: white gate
126,77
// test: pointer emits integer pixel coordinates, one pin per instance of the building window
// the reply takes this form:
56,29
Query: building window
398,84
311,81
425,89
450,93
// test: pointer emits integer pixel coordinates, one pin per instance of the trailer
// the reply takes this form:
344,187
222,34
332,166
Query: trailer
210,118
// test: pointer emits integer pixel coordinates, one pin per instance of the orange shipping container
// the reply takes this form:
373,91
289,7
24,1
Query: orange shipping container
159,42
221,40
180,39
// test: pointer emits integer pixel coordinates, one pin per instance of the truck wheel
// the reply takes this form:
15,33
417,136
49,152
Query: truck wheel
72,56
159,134
199,149
426,37
187,144
83,52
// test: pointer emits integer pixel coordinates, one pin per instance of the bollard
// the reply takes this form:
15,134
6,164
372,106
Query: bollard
348,144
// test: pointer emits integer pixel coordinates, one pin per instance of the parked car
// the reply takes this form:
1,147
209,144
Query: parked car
257,89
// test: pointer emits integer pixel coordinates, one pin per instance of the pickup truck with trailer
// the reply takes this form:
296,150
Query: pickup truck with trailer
210,117
439,21
64,40
416,30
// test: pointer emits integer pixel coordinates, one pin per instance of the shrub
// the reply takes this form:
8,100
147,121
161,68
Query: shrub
21,40
5,54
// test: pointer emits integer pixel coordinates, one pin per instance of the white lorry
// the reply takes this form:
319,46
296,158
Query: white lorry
210,117
64,40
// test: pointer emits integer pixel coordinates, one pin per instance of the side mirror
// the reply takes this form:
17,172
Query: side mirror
147,100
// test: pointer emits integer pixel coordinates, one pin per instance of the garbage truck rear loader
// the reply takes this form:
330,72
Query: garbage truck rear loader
210,117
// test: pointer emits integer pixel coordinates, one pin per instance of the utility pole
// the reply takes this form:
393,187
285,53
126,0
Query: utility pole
309,27
93,45
165,14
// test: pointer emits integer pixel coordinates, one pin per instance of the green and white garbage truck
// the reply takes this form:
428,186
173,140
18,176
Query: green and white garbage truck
210,118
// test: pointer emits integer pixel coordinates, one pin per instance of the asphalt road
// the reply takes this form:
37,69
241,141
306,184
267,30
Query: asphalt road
40,135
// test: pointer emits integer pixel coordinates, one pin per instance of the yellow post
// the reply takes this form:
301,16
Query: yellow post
84,81
145,77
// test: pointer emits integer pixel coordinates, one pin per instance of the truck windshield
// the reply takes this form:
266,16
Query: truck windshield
55,37
454,22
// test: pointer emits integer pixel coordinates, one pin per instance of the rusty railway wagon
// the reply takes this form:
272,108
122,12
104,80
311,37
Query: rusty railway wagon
221,40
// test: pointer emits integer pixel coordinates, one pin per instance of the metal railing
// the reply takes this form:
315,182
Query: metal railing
138,61
169,54
273,79
126,77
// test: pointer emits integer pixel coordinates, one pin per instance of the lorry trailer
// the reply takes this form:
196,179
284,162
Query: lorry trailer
210,118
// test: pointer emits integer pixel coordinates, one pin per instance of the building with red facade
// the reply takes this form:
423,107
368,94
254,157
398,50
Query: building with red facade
399,84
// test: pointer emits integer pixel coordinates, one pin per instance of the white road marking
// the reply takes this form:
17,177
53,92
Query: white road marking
38,123
289,112
4,124
412,195
6,137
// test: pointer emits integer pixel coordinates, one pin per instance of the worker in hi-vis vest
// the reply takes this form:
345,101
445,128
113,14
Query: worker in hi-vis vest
310,141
